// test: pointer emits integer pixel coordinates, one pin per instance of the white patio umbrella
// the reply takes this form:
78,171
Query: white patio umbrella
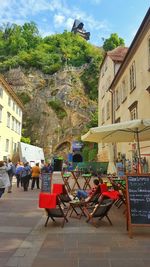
128,131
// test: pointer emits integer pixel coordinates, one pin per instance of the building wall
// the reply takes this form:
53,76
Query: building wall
10,129
136,104
107,72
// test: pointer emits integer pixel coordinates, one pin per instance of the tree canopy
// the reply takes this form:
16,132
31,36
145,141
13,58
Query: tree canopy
112,42
23,46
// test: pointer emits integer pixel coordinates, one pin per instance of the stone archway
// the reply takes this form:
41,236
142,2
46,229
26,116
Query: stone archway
77,158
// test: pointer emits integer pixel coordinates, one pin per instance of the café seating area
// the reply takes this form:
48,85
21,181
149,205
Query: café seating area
62,204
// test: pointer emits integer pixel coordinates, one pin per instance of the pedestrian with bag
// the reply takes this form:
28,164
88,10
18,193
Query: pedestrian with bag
11,173
4,178
25,176
19,168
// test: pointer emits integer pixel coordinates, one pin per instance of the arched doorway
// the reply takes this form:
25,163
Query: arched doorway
77,158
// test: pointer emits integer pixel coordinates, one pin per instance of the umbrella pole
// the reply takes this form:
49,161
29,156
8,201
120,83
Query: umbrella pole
139,170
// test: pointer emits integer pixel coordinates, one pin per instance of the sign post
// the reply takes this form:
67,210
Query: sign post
46,182
138,201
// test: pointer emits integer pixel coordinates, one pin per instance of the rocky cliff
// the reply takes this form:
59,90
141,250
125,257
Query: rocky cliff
56,107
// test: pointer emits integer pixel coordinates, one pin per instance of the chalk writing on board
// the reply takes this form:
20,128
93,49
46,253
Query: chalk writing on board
139,199
46,182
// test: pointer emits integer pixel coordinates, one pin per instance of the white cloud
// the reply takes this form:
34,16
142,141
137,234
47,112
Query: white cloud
58,20
69,23
61,12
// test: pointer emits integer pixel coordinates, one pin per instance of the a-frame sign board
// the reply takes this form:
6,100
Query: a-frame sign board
138,201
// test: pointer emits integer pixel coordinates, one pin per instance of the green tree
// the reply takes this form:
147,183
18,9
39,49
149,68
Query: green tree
112,42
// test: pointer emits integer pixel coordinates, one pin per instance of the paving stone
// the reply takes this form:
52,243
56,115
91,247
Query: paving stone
94,263
127,263
25,242
55,262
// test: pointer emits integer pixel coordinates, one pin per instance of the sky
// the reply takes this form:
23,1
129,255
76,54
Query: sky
100,17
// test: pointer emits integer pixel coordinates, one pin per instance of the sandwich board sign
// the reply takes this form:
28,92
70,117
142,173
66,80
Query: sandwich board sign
138,201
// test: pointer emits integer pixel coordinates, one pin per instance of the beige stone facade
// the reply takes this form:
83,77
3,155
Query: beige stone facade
10,120
108,70
129,91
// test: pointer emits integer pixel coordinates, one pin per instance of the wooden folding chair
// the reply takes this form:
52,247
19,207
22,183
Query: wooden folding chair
61,190
99,211
57,212
52,205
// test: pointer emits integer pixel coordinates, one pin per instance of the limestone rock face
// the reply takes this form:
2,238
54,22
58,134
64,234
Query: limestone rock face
56,107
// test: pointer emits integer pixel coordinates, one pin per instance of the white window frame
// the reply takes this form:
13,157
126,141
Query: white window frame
7,145
8,119
12,123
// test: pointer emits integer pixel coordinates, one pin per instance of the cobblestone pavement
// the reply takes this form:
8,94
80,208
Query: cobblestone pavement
25,242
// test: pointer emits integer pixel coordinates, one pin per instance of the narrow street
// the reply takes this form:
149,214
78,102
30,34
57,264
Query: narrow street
25,242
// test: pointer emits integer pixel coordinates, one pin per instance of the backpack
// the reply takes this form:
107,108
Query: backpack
12,170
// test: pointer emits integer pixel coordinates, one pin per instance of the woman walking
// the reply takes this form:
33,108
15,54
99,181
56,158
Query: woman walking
4,178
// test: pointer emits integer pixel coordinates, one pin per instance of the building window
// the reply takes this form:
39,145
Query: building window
133,111
124,90
19,128
20,112
14,106
14,147
13,122
17,110
7,145
132,77
103,115
149,53
117,120
1,92
108,110
9,101
1,109
103,91
117,99
8,119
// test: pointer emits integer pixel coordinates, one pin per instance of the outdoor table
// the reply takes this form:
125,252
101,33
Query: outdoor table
74,206
87,178
76,175
65,177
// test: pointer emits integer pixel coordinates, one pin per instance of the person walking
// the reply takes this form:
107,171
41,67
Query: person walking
11,173
25,176
4,178
19,168
35,176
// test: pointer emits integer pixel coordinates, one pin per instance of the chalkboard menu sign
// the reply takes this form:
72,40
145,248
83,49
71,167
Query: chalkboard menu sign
138,200
46,182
